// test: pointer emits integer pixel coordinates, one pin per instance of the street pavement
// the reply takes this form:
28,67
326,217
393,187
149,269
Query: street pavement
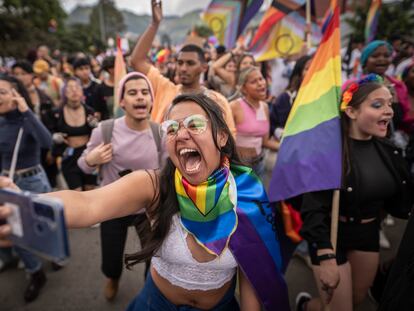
79,285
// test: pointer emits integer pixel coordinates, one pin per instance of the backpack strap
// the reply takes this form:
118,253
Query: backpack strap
155,128
107,126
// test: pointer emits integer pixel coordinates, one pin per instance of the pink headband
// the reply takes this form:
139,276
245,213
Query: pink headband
127,77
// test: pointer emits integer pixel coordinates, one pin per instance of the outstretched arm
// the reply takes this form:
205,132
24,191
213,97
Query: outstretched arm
83,209
118,199
143,46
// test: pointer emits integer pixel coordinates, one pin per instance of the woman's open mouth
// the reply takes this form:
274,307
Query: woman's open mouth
383,124
190,160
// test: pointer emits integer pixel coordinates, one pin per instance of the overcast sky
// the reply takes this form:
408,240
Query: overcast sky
171,7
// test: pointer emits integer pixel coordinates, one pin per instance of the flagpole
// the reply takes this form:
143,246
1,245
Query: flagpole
334,226
308,24
334,219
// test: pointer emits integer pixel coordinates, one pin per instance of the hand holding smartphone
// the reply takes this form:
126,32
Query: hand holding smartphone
37,224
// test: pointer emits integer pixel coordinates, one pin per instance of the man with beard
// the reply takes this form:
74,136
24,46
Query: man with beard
191,64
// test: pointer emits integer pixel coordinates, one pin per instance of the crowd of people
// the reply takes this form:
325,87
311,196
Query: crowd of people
192,137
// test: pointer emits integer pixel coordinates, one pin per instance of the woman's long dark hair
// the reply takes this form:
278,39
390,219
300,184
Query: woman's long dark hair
358,97
165,199
295,78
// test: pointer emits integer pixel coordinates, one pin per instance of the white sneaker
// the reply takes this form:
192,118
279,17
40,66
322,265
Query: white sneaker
301,299
389,221
383,240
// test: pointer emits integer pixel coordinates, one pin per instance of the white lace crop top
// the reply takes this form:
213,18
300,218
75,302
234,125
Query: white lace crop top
175,263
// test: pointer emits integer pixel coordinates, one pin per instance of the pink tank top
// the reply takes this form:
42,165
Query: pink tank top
254,126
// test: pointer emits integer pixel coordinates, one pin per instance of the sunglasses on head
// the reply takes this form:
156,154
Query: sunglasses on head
195,124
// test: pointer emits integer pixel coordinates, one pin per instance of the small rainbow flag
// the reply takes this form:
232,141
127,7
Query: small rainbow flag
310,155
119,72
372,21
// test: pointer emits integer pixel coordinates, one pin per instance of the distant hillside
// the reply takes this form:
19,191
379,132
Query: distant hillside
174,26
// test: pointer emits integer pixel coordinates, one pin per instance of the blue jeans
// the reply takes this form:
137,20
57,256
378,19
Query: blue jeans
151,299
38,184
259,168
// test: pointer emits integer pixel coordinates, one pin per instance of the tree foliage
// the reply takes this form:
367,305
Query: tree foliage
203,31
113,20
24,24
394,18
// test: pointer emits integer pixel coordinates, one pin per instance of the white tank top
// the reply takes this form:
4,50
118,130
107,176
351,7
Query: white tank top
175,263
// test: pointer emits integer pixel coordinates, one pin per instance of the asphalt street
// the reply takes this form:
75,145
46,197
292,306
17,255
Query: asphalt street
79,286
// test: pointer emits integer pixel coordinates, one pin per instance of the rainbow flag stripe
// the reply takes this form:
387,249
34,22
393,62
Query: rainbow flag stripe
255,244
277,10
310,155
207,210
285,38
246,225
372,20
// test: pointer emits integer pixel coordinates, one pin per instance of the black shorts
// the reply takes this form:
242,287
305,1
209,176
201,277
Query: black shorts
352,236
74,176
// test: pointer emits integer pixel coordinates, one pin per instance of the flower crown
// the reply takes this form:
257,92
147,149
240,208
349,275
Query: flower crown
354,86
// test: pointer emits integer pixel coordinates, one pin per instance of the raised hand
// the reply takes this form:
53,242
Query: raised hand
19,101
156,11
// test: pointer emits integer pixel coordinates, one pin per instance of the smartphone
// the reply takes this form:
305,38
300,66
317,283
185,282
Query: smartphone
37,224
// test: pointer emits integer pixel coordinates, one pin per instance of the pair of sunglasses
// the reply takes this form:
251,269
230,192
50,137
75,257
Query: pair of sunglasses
195,124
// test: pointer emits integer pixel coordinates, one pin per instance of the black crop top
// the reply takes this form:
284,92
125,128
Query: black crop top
85,129
375,180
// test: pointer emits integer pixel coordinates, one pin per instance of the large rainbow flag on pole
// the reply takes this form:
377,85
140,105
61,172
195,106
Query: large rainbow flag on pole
372,20
228,18
310,154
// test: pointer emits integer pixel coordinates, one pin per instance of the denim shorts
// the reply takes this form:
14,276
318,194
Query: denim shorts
151,299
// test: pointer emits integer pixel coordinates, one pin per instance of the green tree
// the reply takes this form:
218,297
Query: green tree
78,38
203,31
24,24
113,21
394,18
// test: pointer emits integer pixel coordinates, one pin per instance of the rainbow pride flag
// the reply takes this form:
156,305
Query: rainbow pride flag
255,244
285,38
310,154
228,18
276,11
119,72
372,20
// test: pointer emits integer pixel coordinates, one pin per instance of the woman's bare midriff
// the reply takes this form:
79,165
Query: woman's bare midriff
77,141
203,300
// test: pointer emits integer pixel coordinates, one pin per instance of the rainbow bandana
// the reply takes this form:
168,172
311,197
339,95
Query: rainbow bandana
231,209
207,210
